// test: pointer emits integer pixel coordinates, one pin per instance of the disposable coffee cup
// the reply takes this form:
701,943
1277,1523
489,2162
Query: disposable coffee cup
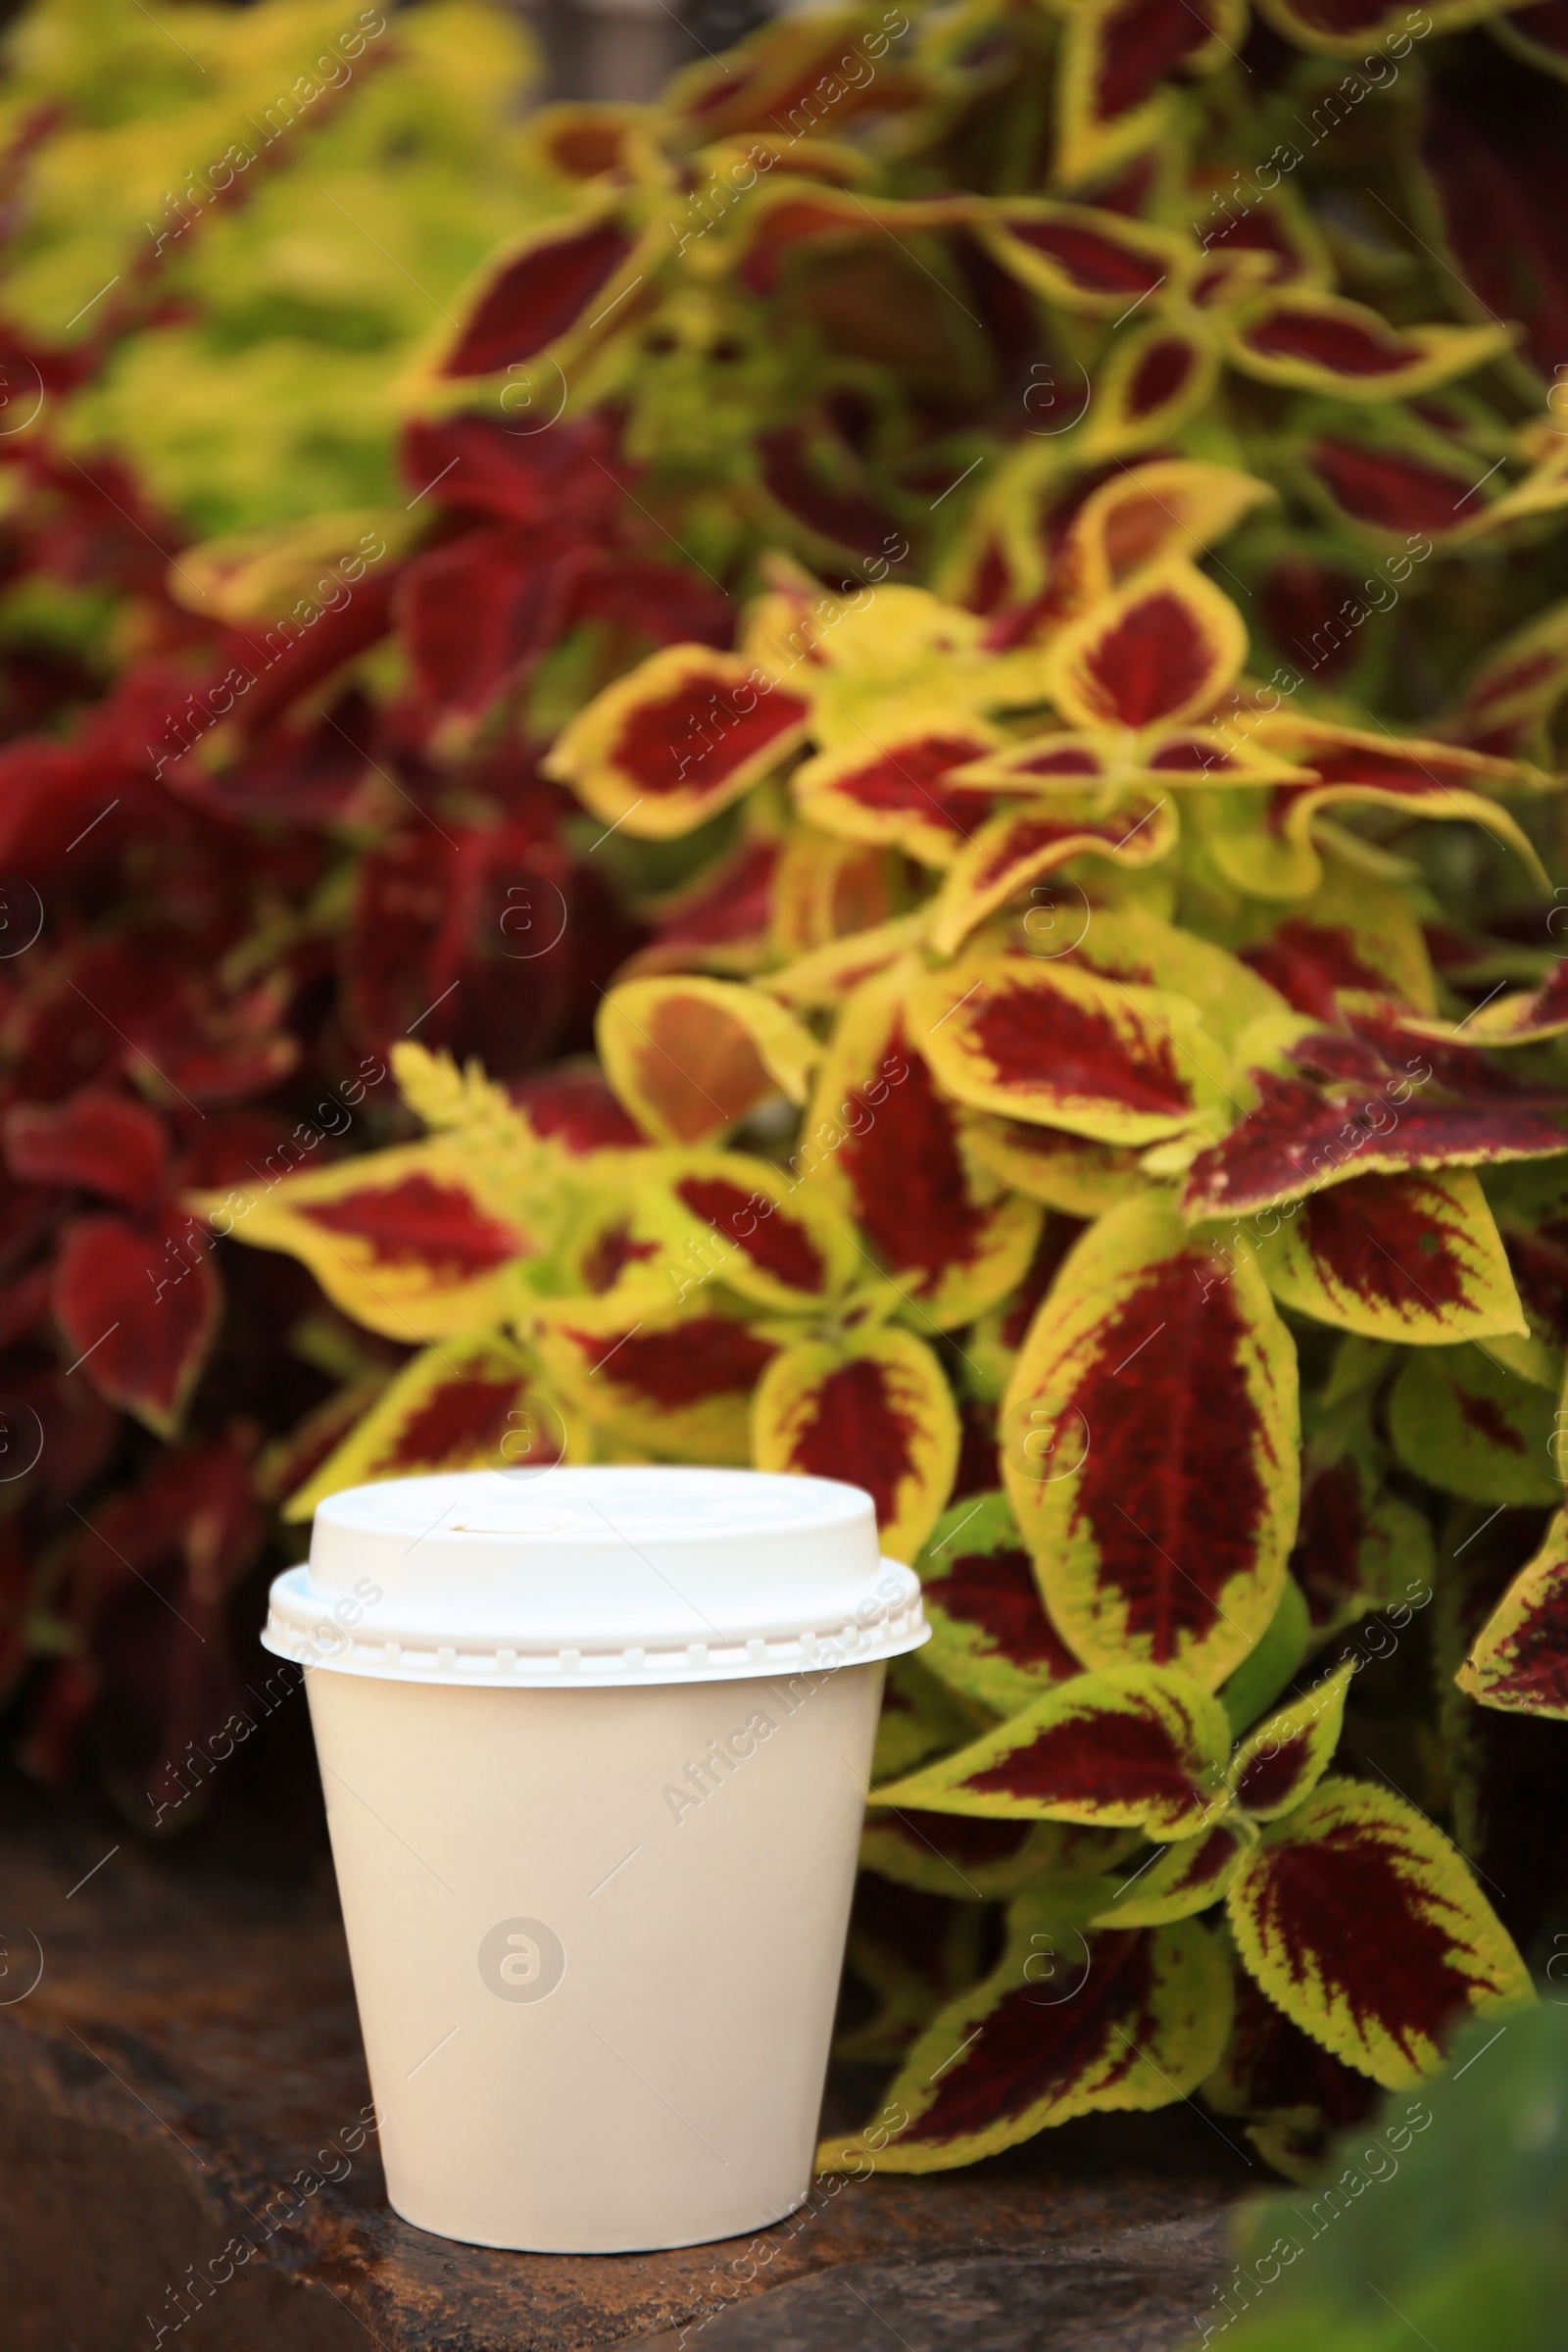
595,1745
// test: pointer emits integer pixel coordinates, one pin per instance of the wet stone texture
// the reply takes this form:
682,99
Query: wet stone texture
191,2049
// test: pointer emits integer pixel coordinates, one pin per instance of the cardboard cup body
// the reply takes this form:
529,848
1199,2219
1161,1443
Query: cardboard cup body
595,1936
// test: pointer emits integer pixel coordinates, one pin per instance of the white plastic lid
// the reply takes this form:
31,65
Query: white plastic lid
594,1576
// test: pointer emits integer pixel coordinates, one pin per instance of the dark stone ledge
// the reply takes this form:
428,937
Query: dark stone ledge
191,2044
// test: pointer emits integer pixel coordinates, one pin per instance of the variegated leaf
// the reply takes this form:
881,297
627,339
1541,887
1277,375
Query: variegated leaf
1149,386
990,1636
825,891
1130,943
882,1140
678,738
1420,777
1519,1660
1466,1424
1011,851
960,1855
408,1243
1320,343
689,1058
1151,1435
472,1405
874,1410
1370,1099
1127,1747
1081,258
675,1380
788,1246
1179,1880
1158,650
1363,1924
1119,59
1161,507
893,789
1042,1039
1279,1763
1356,938
1299,2092
1067,1172
1414,1258
1062,2027
824,980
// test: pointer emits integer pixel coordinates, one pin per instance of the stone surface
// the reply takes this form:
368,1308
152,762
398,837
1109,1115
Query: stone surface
189,2054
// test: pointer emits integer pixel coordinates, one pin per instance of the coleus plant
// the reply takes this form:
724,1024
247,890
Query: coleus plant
1041,908
1126,1089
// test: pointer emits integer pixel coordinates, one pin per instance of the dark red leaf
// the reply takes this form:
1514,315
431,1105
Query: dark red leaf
95,1141
538,296
137,1305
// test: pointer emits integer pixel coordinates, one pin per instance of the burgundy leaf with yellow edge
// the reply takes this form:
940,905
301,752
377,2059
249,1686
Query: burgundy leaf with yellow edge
538,291
990,1636
1298,2092
1460,1419
1082,258
137,1302
678,738
1414,1258
1161,507
689,1057
960,1855
1149,1448
1363,1924
1127,1747
1356,938
1042,1039
893,791
1519,1659
1311,963
409,1242
1284,1758
882,1139
1423,778
873,1409
789,1246
1509,697
1372,1098
1321,343
1177,1880
674,1380
1152,384
1387,490
1066,1171
1011,851
822,981
1063,2026
628,1239
1118,59
826,890
472,1404
1524,1016
1160,649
